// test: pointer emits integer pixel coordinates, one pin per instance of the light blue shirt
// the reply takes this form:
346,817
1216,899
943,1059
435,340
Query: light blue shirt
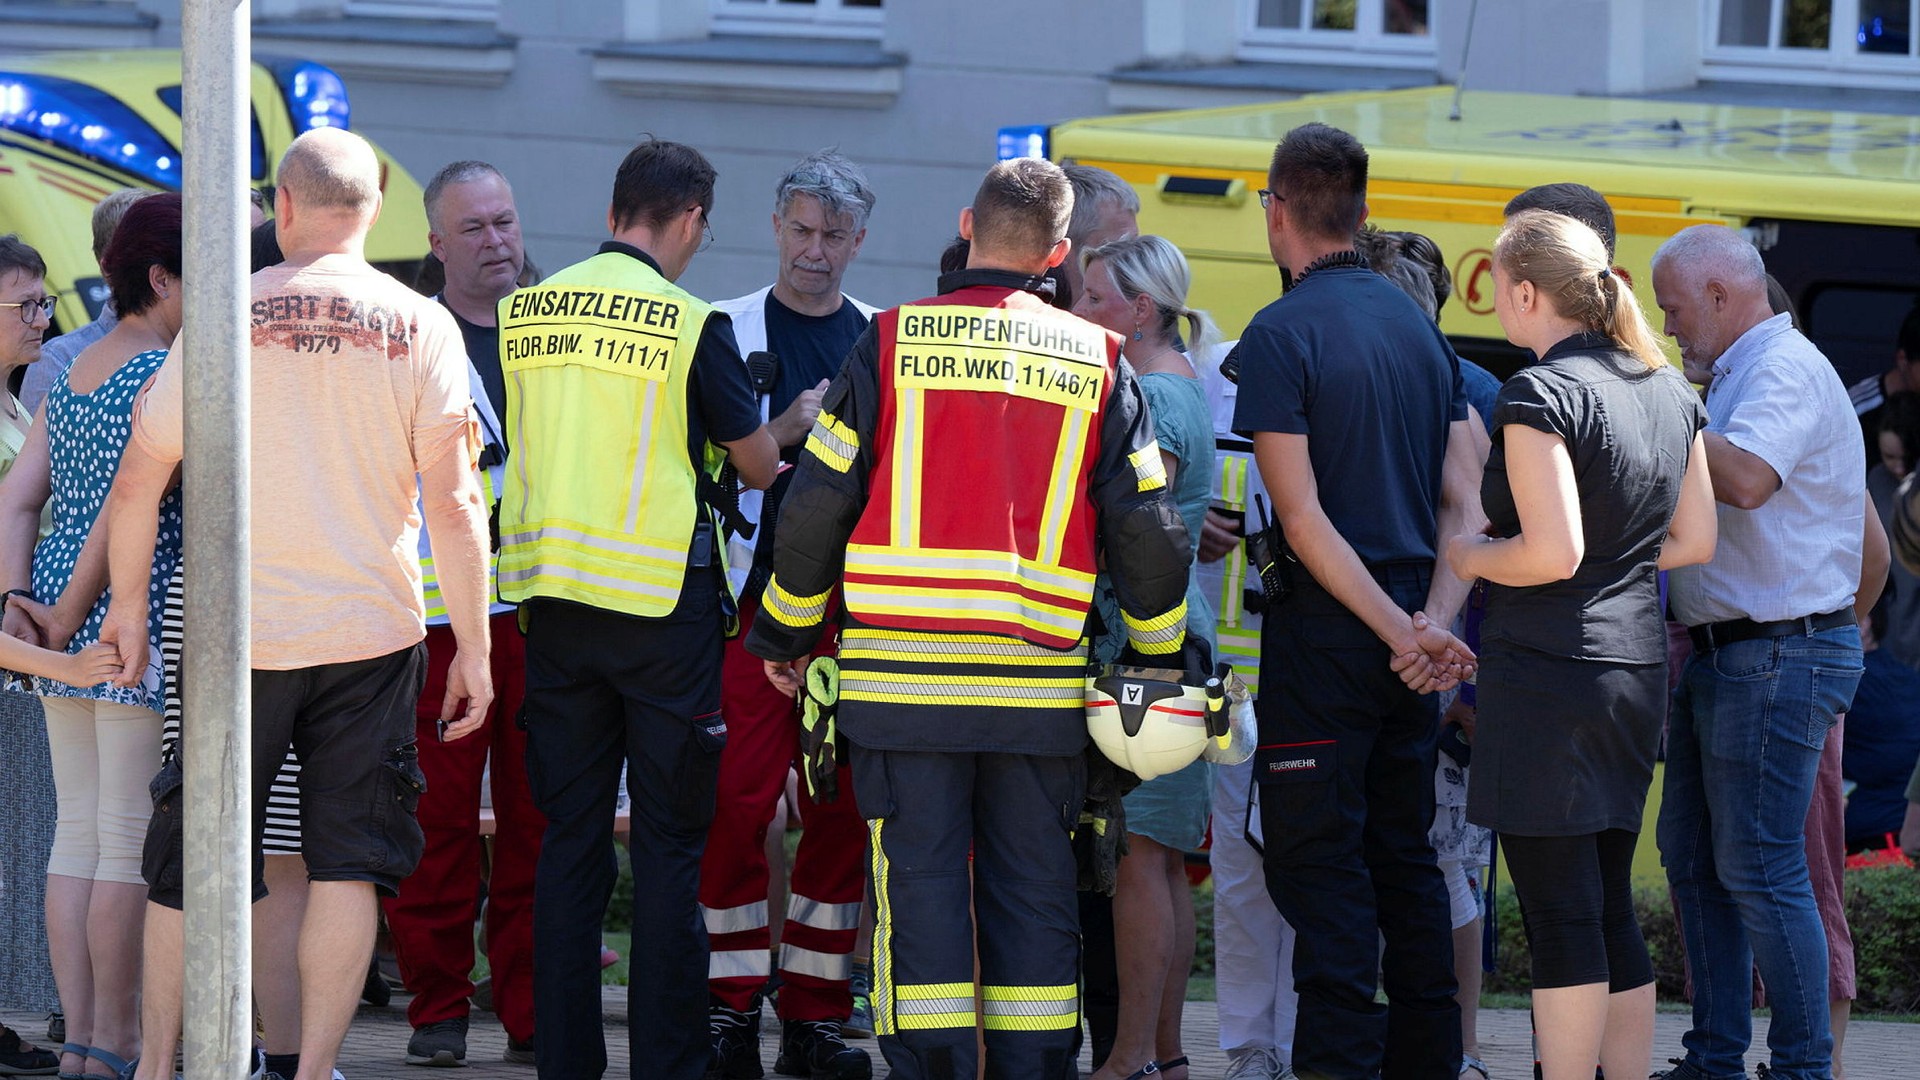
1775,396
56,357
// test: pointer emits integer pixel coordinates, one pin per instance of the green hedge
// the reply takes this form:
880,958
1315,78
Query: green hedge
1883,909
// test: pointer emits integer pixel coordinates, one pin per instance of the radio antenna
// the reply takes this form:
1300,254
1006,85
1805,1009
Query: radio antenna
1466,48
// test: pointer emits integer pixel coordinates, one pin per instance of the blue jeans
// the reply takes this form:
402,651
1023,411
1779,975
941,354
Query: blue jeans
1748,724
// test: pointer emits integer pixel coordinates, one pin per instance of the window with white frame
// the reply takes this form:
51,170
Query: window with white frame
1859,42
465,10
799,18
1395,33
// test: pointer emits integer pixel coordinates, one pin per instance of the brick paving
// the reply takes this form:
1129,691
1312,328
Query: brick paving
1874,1051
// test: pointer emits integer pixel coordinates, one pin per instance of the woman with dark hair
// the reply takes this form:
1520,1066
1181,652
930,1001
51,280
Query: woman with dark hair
105,740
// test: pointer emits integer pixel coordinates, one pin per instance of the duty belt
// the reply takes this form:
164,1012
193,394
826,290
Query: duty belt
1710,636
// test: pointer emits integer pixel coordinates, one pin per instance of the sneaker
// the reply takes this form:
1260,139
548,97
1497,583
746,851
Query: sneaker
814,1050
860,1024
56,1026
441,1044
736,1044
518,1053
1256,1063
608,957
482,998
19,1059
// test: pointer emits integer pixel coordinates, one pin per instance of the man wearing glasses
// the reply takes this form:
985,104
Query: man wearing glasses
624,394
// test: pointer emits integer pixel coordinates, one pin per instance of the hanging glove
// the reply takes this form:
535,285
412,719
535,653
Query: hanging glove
819,700
1100,840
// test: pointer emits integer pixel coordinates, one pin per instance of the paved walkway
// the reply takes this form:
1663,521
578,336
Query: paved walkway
1876,1051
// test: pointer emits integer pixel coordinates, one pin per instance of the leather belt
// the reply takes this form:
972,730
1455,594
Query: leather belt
1710,636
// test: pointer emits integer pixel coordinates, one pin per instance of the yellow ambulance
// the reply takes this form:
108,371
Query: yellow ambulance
1831,198
75,126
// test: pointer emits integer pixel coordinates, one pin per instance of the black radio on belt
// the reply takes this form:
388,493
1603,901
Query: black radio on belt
1268,554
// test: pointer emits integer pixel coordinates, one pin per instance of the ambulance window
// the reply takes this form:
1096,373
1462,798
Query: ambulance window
1855,325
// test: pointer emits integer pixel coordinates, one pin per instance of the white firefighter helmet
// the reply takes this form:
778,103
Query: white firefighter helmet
1149,722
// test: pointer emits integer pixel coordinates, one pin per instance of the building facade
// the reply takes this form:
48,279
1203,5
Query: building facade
555,91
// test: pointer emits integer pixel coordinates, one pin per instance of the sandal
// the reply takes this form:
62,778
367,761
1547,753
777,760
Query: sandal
1470,1063
113,1061
1174,1063
1151,1068
76,1050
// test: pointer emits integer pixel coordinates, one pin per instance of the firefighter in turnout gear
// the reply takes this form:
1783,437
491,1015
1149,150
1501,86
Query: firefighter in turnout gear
624,396
967,466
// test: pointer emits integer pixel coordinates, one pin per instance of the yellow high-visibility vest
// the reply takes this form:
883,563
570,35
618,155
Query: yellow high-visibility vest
601,497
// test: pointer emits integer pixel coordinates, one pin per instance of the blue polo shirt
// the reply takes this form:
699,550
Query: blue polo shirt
1348,360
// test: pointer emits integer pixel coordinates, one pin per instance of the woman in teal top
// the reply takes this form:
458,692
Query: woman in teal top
1138,288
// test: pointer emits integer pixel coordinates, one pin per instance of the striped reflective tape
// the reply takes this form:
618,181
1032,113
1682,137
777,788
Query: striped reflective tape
1030,1008
930,1006
735,920
794,610
833,442
825,966
821,915
1161,634
1149,474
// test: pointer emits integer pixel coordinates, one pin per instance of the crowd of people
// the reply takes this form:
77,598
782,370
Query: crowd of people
677,553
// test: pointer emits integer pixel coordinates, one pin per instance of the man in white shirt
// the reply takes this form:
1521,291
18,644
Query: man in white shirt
1776,658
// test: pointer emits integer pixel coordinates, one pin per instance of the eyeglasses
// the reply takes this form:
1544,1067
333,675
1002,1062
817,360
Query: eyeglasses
32,310
706,225
1268,197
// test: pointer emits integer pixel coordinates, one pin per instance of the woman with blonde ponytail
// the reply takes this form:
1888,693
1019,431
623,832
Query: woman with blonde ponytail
1596,481
1138,289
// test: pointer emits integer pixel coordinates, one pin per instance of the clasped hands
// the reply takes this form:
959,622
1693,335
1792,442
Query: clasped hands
1432,659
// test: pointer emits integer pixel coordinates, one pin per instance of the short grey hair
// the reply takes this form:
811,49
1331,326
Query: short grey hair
1702,253
459,172
1094,189
107,214
831,177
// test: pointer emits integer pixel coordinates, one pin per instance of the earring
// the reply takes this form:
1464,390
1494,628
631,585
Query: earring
1138,336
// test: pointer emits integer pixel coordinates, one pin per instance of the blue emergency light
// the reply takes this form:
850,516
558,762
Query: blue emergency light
316,97
1023,140
89,122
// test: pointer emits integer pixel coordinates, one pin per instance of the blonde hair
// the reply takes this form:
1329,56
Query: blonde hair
1151,266
1566,260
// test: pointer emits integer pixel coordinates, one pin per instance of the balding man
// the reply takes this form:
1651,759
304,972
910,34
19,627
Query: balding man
360,407
1776,658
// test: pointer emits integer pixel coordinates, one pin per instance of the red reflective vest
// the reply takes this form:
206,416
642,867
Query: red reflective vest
978,519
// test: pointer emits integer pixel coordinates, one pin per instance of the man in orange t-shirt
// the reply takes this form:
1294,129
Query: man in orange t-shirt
359,387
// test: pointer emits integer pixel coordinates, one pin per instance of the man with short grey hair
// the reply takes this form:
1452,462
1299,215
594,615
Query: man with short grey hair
56,356
1776,658
1105,209
794,334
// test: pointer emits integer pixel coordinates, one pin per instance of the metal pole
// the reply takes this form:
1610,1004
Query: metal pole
217,699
